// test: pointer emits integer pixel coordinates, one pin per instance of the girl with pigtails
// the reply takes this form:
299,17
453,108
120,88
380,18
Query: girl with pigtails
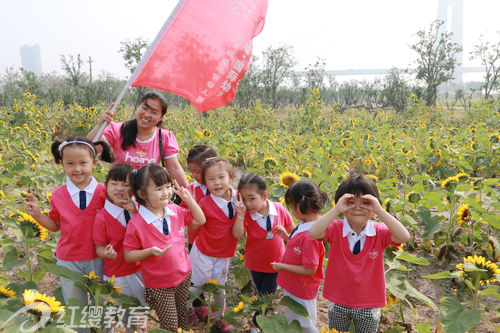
73,207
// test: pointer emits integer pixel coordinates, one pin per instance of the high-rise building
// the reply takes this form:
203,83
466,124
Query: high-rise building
30,58
451,12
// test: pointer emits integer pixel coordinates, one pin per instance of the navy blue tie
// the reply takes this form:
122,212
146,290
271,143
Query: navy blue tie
208,192
230,209
293,231
165,227
357,247
268,223
127,216
83,200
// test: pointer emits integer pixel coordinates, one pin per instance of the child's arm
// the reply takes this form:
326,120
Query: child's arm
283,233
297,269
33,209
399,234
238,226
198,216
317,230
105,251
139,255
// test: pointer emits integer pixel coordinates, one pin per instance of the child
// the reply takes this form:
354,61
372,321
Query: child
109,231
215,244
262,220
357,250
155,237
301,269
73,207
195,158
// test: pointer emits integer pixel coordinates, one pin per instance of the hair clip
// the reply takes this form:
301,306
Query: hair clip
210,158
134,171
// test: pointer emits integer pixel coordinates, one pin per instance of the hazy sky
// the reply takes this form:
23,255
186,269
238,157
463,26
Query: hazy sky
348,34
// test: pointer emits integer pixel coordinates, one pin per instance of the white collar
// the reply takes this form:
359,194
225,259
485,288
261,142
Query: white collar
113,209
303,226
150,217
368,230
90,188
151,138
272,211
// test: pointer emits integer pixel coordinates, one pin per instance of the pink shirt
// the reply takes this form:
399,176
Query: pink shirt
144,152
260,251
216,235
174,267
305,251
365,287
108,230
198,193
75,243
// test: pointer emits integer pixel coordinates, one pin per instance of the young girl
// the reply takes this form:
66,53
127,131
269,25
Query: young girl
301,269
155,237
357,250
73,209
215,244
262,219
109,231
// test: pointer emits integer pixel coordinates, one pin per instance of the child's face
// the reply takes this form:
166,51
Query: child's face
195,171
119,192
253,200
359,214
218,180
78,164
157,197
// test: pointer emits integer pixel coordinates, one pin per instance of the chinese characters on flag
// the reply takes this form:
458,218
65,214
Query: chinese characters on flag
204,50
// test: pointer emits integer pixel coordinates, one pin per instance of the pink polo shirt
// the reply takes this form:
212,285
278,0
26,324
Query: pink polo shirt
365,285
75,243
174,267
144,152
108,230
261,251
305,251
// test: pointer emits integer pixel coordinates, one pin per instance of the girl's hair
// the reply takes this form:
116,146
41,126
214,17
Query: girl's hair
58,147
307,195
119,172
128,130
358,185
211,161
199,153
139,179
250,179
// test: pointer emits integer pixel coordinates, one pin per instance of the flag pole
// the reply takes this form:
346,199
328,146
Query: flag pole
144,59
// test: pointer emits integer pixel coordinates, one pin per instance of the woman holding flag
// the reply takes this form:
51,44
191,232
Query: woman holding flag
141,140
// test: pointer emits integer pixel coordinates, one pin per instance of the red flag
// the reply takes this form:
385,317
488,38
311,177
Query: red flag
203,51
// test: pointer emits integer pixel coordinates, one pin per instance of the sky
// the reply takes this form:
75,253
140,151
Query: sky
346,34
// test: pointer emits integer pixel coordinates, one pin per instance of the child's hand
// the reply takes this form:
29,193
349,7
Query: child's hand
239,206
371,203
281,231
109,252
277,266
182,192
345,203
32,206
159,252
130,206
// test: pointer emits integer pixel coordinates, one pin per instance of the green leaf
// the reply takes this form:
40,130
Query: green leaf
411,221
11,323
278,324
294,306
491,291
492,219
442,275
432,225
412,259
455,319
11,258
490,181
423,327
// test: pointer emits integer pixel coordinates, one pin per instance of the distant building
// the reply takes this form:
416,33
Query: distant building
452,13
30,58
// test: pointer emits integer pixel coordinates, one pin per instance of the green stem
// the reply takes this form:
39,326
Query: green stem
401,313
476,293
209,301
28,255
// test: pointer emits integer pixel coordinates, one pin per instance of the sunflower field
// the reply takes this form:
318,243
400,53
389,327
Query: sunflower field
437,170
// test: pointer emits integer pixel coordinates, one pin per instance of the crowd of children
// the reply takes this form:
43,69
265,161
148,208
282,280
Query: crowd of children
129,230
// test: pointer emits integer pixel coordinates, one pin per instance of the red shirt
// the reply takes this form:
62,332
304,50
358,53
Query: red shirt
365,285
305,251
108,230
216,235
260,252
75,243
174,267
198,193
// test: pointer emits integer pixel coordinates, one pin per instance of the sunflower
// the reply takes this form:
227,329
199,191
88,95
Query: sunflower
239,307
413,197
495,138
373,177
270,163
367,161
27,221
207,133
450,183
212,281
199,134
463,176
41,302
288,178
117,289
489,271
6,292
92,276
464,214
